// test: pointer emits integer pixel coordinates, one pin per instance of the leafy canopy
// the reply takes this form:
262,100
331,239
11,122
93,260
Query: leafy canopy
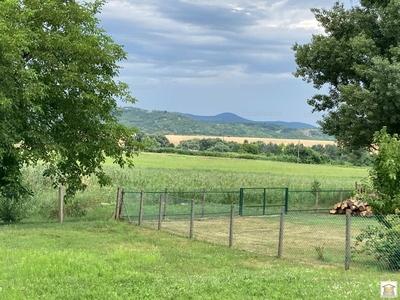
358,59
58,94
385,174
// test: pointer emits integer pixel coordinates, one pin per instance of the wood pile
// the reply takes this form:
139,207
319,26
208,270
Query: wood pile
357,207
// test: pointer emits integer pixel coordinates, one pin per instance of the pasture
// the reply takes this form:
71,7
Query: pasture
92,257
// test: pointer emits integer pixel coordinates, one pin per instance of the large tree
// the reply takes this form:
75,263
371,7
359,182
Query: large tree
58,94
358,59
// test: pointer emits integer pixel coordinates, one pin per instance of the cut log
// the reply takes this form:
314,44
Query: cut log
353,207
337,205
344,205
363,213
333,211
368,208
361,208
341,211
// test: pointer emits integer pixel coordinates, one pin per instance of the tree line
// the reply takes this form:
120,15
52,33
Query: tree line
297,153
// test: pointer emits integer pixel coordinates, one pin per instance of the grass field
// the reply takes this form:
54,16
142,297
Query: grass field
94,258
156,171
112,260
176,139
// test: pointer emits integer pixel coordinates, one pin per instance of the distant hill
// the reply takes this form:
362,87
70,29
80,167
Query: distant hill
156,121
232,118
221,118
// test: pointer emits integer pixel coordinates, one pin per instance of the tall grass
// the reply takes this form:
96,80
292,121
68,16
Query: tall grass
180,174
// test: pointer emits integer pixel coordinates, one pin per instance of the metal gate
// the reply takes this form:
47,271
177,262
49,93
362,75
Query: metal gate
263,201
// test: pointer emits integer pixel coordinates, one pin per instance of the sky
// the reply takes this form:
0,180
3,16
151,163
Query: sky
207,57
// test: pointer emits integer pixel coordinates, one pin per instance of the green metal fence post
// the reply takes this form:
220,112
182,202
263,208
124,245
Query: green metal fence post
264,200
286,200
241,202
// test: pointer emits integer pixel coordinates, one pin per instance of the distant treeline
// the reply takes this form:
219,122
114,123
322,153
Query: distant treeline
316,154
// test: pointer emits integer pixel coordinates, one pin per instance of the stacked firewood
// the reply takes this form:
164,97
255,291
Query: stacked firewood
357,207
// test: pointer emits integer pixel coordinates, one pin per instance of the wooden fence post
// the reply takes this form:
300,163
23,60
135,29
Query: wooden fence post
121,203
141,207
117,204
281,227
348,240
231,225
191,219
60,205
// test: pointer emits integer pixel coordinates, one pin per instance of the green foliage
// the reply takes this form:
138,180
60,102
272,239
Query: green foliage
320,252
385,174
248,148
317,154
13,209
357,58
382,242
58,94
315,186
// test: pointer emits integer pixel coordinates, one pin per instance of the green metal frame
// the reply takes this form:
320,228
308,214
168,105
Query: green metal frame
241,199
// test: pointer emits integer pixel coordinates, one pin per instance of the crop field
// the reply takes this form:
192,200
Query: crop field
155,171
176,139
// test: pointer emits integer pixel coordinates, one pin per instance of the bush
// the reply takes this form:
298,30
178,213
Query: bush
12,209
382,241
74,209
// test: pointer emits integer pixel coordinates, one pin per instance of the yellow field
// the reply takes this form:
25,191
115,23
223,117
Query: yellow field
175,139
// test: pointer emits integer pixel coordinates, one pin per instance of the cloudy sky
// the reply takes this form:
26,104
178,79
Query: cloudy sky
207,57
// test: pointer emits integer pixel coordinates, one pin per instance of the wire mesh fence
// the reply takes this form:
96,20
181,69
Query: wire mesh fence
313,237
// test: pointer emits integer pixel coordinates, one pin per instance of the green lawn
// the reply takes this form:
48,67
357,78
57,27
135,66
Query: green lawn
112,260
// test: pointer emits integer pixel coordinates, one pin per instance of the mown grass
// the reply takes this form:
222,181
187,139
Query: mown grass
112,260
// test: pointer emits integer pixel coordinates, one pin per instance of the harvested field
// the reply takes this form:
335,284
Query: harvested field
176,139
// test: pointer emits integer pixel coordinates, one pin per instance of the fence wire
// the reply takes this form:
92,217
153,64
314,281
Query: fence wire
312,238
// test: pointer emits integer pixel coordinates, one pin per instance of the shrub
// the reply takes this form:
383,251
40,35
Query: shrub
12,209
382,241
